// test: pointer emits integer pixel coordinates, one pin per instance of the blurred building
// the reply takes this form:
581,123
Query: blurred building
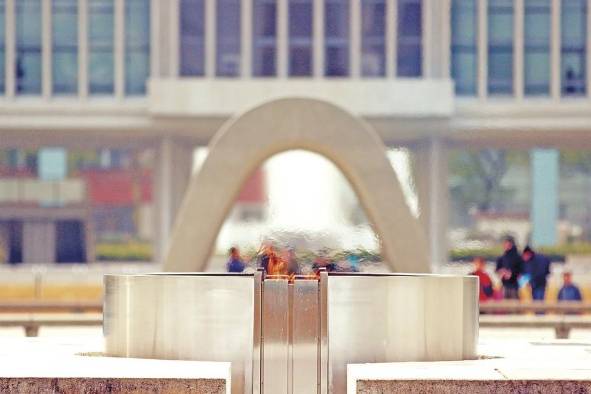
134,86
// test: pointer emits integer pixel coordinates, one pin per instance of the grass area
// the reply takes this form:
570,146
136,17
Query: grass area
555,253
124,251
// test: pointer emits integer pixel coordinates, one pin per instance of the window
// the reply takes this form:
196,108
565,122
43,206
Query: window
336,36
228,38
373,38
101,63
192,62
300,37
464,58
537,47
65,46
137,46
28,47
574,33
410,28
500,47
2,46
264,53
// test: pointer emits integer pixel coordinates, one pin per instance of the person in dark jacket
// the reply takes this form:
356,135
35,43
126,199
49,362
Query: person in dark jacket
509,267
569,291
537,266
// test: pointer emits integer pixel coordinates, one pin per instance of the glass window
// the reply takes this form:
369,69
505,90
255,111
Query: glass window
336,36
65,46
410,29
464,58
101,65
264,52
300,37
537,47
28,47
500,47
228,38
574,33
2,47
192,27
373,38
137,46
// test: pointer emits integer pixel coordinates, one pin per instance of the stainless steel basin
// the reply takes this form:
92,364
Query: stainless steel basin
291,336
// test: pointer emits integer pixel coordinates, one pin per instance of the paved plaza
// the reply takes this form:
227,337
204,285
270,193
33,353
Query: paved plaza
69,358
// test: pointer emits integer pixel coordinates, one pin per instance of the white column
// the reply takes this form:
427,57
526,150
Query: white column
246,38
518,48
46,40
163,197
155,33
588,49
83,48
282,38
482,49
119,48
210,37
355,38
10,60
431,172
427,51
391,37
445,40
174,31
318,40
555,48
173,171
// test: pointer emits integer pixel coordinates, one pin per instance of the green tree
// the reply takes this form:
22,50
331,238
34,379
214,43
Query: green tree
476,177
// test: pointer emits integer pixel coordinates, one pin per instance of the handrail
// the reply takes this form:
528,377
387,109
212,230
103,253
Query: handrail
514,306
43,306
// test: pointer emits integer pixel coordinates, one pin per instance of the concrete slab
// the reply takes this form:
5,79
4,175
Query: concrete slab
506,366
64,365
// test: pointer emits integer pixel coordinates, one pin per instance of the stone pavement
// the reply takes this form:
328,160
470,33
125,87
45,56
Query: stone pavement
506,366
76,365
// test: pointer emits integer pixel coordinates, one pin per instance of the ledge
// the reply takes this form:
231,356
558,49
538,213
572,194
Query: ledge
375,97
75,365
509,366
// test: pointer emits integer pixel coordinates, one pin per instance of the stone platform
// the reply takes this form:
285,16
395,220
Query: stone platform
505,366
76,365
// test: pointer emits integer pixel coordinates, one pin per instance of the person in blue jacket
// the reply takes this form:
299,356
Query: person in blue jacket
235,263
537,268
569,291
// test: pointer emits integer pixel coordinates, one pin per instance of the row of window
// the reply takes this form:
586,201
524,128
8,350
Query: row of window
29,27
300,53
537,36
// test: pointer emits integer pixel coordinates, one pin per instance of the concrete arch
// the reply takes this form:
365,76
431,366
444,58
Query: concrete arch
245,142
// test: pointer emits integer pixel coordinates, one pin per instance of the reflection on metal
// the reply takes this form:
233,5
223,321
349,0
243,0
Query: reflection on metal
291,337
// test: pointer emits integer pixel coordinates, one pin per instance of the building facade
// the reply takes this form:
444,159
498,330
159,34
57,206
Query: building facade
148,81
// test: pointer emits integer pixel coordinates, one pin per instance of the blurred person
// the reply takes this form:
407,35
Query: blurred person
509,267
486,285
235,262
263,255
537,267
353,261
569,291
293,267
322,261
